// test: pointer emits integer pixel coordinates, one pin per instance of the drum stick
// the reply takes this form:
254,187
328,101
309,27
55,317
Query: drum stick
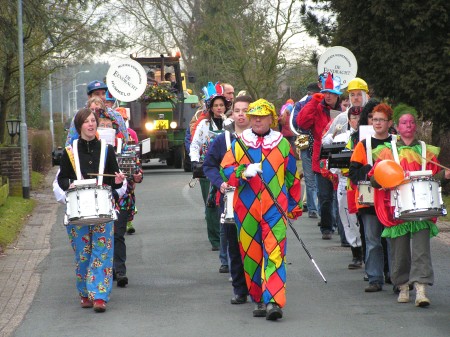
430,161
102,175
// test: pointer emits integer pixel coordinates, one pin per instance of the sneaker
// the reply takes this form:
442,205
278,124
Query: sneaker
224,269
86,302
130,228
260,310
239,299
373,288
122,280
366,277
355,264
312,215
273,312
99,306
326,236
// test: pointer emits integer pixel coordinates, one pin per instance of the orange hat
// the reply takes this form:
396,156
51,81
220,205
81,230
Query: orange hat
123,112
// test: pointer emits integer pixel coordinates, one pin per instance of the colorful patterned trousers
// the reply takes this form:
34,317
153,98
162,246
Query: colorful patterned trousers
94,251
263,251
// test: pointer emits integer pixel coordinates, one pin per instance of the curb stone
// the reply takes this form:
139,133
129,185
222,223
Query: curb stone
19,275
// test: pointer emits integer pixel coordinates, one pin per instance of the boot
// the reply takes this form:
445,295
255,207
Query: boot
357,258
421,298
403,296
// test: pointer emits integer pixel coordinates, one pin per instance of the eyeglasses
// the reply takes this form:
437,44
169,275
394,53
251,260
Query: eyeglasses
379,120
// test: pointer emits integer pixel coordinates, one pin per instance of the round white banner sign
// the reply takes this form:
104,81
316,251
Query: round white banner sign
126,80
339,61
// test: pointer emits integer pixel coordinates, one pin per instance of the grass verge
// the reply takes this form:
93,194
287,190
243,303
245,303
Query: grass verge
15,211
13,215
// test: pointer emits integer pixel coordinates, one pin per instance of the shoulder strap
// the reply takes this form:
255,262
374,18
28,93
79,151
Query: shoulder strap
394,150
369,151
101,166
424,155
77,159
228,139
71,157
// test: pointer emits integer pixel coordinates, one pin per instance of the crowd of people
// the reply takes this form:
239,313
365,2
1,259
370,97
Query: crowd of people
246,157
390,245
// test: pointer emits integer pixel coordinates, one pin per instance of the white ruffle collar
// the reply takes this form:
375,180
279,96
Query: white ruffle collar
267,142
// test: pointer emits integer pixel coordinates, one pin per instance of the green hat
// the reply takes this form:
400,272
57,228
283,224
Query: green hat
403,109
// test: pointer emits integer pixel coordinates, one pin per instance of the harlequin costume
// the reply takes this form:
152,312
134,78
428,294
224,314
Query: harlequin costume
261,228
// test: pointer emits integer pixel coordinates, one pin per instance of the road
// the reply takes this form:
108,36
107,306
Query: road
175,288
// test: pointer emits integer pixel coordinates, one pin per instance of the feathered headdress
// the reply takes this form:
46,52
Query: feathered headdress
211,91
331,84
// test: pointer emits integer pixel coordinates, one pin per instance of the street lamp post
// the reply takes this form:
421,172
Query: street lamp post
69,99
75,85
75,95
50,98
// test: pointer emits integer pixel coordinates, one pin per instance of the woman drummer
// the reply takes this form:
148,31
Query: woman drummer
410,239
92,244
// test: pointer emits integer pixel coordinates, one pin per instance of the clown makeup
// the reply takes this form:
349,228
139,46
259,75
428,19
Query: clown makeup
406,127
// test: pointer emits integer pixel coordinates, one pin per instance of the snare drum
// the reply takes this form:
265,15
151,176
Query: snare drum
419,199
228,211
89,205
365,193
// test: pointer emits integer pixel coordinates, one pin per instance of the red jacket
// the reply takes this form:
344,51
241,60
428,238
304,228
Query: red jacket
315,116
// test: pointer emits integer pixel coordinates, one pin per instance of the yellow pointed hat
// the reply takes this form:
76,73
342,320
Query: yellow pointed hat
261,107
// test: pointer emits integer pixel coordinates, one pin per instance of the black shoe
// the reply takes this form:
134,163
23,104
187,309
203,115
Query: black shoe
239,299
273,312
122,280
312,215
355,264
214,249
224,269
260,310
366,278
373,288
305,208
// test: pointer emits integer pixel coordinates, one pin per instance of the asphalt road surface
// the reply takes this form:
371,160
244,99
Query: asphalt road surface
175,288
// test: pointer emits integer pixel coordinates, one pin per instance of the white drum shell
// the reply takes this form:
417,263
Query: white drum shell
89,205
228,212
365,193
417,200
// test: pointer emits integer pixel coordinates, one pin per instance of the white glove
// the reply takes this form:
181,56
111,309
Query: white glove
252,170
328,139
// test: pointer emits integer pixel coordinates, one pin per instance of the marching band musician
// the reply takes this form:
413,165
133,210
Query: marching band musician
410,239
92,244
207,129
261,226
361,163
211,168
349,221
315,116
137,176
127,206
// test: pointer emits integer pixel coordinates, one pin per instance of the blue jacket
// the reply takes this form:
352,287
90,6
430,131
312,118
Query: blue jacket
211,165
